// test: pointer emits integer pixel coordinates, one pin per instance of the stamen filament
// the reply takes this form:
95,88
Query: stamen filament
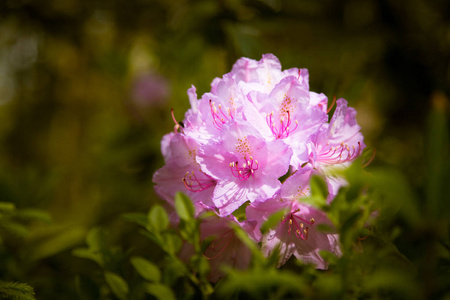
219,117
370,159
332,104
246,170
178,125
284,129
339,154
195,184
298,224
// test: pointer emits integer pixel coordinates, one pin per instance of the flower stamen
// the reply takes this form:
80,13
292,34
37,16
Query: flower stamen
332,104
218,115
339,154
195,184
365,164
283,130
298,224
178,125
246,170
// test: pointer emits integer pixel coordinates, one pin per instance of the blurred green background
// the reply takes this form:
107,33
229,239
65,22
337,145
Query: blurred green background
86,88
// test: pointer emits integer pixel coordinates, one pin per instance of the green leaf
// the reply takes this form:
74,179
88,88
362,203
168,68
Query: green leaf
16,291
62,239
244,238
160,291
7,206
188,231
318,187
14,228
260,282
96,239
138,218
272,221
155,238
88,254
201,264
184,207
328,256
171,242
240,212
118,286
173,270
34,214
158,218
319,193
146,269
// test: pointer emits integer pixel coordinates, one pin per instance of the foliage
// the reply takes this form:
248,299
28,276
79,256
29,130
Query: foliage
371,214
16,291
14,225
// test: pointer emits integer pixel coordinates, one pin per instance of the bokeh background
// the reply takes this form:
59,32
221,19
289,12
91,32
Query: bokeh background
86,88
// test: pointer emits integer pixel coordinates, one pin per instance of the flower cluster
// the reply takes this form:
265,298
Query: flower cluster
259,124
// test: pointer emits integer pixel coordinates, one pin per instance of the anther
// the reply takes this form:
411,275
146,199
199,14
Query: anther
219,116
178,125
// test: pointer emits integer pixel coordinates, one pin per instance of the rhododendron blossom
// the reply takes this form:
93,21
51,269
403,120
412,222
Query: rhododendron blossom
296,233
256,125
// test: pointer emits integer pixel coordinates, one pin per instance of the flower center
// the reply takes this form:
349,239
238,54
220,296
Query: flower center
283,129
338,154
245,170
194,183
219,116
297,224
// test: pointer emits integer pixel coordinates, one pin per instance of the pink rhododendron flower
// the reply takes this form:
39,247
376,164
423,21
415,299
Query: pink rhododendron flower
245,166
339,141
297,233
336,145
257,124
181,152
